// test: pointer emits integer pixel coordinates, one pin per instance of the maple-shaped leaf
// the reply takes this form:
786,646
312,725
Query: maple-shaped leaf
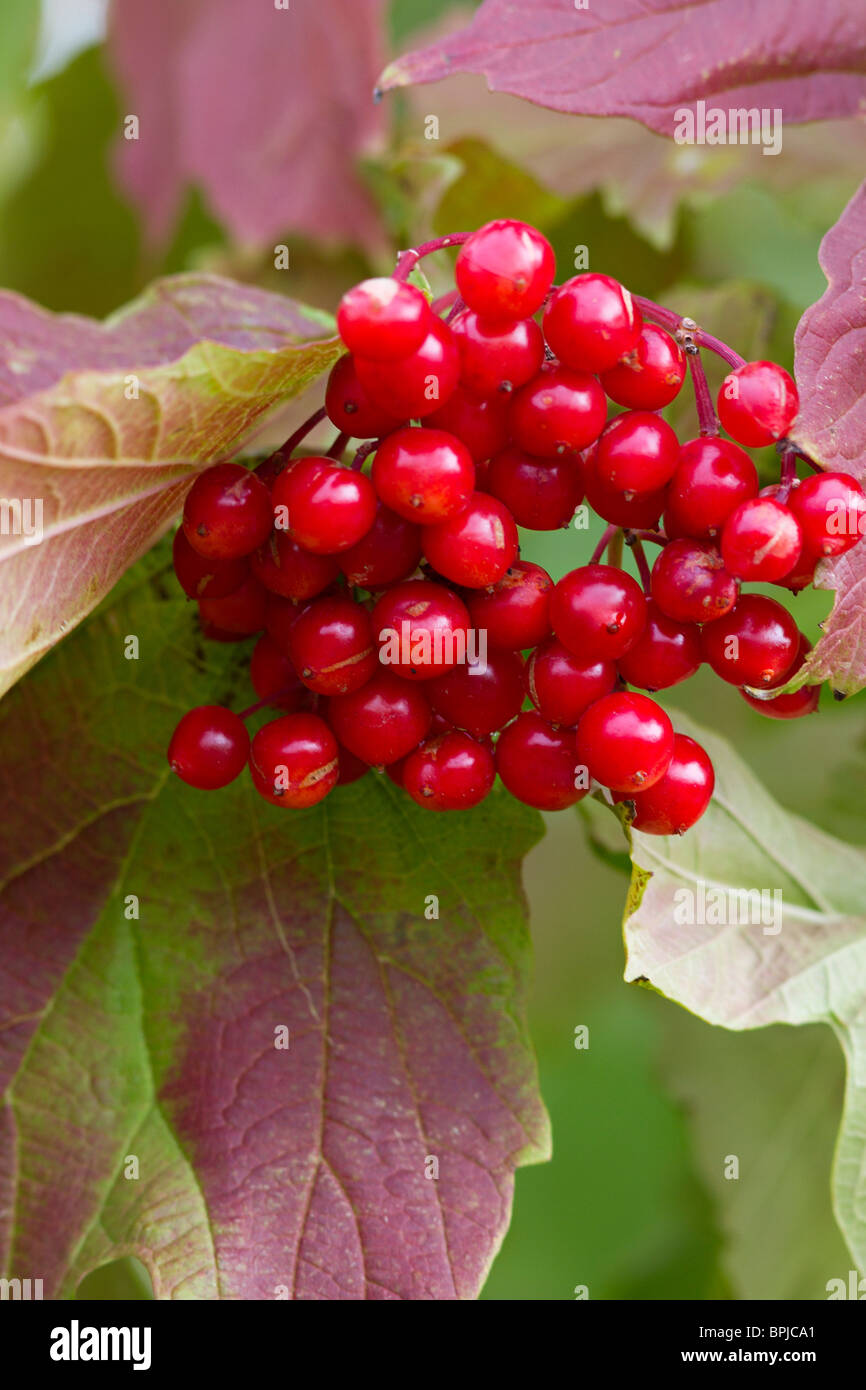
270,1053
830,367
754,917
266,108
103,425
648,61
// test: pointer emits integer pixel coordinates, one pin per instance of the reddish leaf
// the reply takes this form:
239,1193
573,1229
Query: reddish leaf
646,60
147,1027
266,109
103,425
830,366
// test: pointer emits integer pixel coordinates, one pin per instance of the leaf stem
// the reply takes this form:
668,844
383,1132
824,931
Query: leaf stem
407,260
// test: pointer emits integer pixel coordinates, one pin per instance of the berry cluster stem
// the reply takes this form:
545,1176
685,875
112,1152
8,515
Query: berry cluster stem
301,432
606,539
407,260
708,421
640,559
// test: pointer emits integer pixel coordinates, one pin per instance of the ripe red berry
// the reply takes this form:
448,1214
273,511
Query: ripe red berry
422,629
482,698
203,578
227,512
597,612
350,408
541,494
475,547
691,584
209,747
757,403
650,374
831,510
591,322
482,425
424,475
791,706
640,512
515,612
679,799
274,677
562,686
383,721
755,645
559,411
331,646
324,507
761,540
285,568
504,270
538,764
383,318
449,773
241,612
496,357
416,385
281,614
666,653
390,551
712,478
352,769
626,741
637,453
294,760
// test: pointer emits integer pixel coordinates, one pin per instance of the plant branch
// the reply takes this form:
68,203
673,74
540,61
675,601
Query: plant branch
407,260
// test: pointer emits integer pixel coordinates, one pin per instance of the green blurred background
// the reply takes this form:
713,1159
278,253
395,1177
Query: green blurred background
635,1203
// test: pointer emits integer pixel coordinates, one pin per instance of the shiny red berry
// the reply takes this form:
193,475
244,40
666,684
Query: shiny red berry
480,698
416,385
241,612
227,512
294,761
331,646
597,612
559,411
793,705
757,403
475,547
424,475
761,540
666,653
712,478
679,798
209,747
421,628
637,453
515,613
640,512
383,721
496,357
538,764
383,318
505,269
324,507
541,494
203,578
285,568
274,677
755,644
831,510
591,322
561,686
388,552
349,406
482,425
626,741
451,772
650,374
691,584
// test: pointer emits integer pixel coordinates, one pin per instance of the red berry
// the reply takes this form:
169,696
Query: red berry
691,584
242,612
755,645
416,385
666,652
203,578
538,764
757,403
294,761
637,453
761,540
712,478
422,629
475,547
449,773
541,494
496,356
324,507
352,769
638,513
227,512
791,706
515,613
674,803
597,612
831,510
285,568
505,269
383,318
274,677
558,412
350,408
209,747
390,551
331,646
625,741
650,374
381,722
482,698
423,475
482,425
561,686
591,322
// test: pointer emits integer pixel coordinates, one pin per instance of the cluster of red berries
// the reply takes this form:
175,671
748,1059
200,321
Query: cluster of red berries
393,609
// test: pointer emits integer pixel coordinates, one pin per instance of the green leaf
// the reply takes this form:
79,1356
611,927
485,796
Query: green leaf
796,955
156,939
